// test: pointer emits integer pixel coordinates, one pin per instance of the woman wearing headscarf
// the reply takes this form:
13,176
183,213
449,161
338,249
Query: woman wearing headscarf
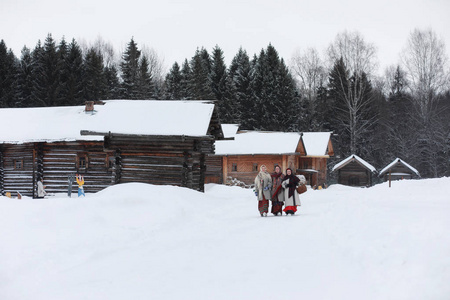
277,191
263,190
290,183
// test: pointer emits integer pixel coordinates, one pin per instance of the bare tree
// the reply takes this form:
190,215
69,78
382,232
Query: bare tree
157,68
426,63
352,84
310,74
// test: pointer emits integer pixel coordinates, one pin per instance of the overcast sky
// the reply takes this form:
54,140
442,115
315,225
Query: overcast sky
175,28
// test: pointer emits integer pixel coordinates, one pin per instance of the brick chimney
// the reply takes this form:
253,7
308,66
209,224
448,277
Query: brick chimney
89,106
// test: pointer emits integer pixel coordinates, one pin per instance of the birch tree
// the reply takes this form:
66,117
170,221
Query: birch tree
353,86
310,73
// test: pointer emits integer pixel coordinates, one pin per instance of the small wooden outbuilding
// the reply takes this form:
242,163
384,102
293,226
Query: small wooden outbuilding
354,171
158,142
399,169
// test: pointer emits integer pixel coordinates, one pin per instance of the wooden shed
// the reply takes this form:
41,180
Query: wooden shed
240,156
156,142
354,171
399,169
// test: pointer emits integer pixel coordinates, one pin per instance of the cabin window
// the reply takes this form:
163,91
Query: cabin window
255,168
305,165
109,162
82,162
18,164
234,167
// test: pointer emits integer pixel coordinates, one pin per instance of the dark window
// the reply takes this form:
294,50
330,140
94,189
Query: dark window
82,162
255,168
18,164
234,167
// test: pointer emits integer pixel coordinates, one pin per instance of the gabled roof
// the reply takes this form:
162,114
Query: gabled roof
357,159
256,142
396,162
317,144
139,117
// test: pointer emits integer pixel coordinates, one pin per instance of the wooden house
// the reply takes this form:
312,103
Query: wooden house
318,149
158,142
354,171
240,155
399,169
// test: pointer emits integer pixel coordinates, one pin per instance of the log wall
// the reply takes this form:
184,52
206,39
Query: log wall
62,159
17,165
354,174
214,169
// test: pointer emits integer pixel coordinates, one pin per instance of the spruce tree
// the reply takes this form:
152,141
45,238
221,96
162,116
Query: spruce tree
94,78
199,84
185,83
112,82
8,80
25,79
46,74
218,75
73,75
173,89
130,71
145,86
238,94
275,98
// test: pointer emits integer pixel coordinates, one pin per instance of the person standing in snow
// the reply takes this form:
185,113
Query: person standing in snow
263,190
80,181
41,188
277,191
291,198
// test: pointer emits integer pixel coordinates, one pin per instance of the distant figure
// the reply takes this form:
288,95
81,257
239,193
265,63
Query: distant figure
80,181
41,188
277,191
290,183
263,190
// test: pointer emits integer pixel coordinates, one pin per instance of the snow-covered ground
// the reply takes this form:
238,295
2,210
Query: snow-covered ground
137,241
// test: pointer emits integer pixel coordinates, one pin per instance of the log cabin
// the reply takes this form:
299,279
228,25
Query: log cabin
355,171
241,153
398,169
111,142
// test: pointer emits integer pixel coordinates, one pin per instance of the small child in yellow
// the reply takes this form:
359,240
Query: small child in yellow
80,181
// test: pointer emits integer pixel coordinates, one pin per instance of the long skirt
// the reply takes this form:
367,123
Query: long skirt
263,205
290,209
277,207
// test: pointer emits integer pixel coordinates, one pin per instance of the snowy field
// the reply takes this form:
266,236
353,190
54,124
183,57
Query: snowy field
137,241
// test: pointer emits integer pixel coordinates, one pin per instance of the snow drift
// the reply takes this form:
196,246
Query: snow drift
137,241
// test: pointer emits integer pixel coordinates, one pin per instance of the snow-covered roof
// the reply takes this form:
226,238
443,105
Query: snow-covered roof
398,161
356,158
147,117
316,143
254,142
230,130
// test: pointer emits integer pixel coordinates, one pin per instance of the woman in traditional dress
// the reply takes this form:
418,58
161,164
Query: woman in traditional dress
277,191
263,190
290,183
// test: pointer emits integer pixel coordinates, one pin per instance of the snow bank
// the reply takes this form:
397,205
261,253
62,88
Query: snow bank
137,241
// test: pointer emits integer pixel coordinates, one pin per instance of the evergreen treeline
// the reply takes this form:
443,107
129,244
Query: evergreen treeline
376,118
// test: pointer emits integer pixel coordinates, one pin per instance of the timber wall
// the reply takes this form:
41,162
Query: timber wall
61,159
354,174
17,178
